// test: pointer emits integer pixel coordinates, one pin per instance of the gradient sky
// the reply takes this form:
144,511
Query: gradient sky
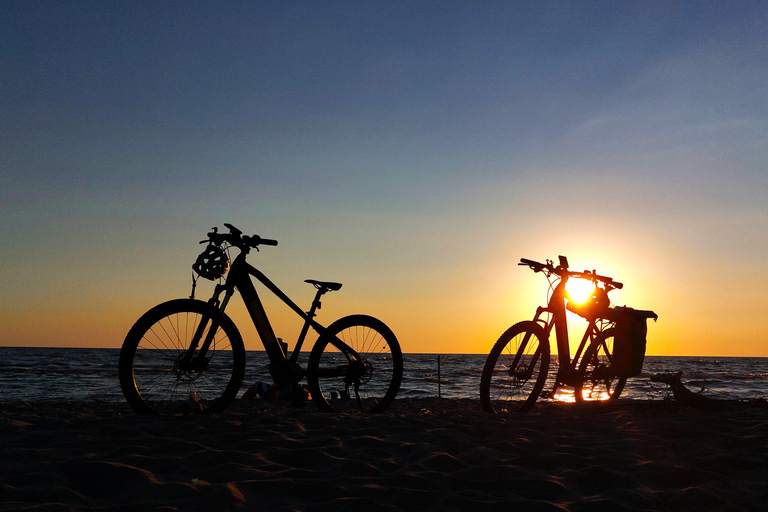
414,151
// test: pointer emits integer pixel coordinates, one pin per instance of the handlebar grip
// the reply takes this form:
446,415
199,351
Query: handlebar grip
265,241
535,265
617,285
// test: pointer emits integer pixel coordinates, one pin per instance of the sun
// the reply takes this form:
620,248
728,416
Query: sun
580,290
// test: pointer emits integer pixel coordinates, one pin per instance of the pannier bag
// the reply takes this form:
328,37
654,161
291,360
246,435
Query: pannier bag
629,341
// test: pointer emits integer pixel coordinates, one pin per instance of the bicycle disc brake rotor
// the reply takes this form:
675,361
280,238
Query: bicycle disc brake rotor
602,373
186,370
359,372
367,372
519,376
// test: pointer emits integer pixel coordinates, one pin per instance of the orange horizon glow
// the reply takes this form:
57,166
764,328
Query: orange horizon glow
461,308
453,335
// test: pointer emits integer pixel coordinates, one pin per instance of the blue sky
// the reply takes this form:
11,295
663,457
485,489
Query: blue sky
412,150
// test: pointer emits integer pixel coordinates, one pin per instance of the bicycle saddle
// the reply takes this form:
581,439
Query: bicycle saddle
324,284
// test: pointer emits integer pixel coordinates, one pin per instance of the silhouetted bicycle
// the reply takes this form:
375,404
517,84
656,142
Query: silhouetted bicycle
187,355
516,370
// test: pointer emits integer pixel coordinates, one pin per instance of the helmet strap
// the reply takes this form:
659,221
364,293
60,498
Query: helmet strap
194,284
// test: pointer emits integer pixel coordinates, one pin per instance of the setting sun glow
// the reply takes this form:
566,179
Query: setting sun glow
580,290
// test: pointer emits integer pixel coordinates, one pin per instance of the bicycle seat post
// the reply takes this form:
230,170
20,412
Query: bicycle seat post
316,304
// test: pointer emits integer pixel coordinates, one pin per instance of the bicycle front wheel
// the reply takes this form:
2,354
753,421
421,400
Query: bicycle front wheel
596,380
158,374
516,369
339,381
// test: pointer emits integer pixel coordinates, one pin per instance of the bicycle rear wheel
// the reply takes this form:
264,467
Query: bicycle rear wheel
596,380
340,382
158,376
516,369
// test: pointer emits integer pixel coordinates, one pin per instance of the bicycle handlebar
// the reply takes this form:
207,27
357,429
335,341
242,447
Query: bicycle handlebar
563,271
535,265
263,241
236,238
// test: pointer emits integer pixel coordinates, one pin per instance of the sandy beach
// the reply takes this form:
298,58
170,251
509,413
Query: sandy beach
423,454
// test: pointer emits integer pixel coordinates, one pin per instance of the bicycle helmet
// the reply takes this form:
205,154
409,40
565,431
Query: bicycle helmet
212,263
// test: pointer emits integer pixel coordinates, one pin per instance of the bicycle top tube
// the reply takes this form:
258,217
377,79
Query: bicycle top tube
239,278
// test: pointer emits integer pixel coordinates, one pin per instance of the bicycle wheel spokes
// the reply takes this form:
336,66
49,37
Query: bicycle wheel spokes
596,379
159,374
513,381
340,380
515,370
350,381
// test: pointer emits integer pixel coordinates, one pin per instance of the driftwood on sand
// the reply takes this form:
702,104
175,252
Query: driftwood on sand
684,395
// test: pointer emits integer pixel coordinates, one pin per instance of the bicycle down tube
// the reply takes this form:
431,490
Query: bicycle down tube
258,314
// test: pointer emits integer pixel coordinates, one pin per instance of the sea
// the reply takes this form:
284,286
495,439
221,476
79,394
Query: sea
86,374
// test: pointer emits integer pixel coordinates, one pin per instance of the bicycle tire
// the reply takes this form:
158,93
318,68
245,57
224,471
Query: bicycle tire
509,386
595,380
328,367
153,377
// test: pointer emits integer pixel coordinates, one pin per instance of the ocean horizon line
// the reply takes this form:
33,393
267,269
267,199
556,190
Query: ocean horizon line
417,353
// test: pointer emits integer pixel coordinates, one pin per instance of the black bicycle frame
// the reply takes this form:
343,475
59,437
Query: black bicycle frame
556,306
239,278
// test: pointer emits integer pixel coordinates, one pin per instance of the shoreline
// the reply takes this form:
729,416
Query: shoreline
421,454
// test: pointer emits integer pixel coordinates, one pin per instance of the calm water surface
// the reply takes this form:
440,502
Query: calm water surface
34,374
